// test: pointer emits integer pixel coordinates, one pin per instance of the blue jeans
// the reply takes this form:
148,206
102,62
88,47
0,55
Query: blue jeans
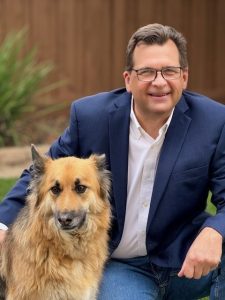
138,279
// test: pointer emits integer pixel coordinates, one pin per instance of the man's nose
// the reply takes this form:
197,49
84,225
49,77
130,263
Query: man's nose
159,78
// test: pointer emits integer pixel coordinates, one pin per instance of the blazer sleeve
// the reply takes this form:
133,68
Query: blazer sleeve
217,187
66,145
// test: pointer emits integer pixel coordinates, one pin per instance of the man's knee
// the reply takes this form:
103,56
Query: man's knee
125,282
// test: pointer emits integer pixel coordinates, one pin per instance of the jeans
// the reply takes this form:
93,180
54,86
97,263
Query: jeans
138,279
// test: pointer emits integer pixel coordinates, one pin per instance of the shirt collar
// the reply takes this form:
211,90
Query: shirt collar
136,127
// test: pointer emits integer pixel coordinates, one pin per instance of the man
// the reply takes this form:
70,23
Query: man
166,149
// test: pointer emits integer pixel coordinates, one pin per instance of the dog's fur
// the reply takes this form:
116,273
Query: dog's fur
57,247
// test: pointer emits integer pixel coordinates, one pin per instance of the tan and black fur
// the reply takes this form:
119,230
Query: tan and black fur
57,247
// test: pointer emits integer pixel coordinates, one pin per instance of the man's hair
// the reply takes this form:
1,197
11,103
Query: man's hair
156,34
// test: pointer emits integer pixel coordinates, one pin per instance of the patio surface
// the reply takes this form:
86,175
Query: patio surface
13,160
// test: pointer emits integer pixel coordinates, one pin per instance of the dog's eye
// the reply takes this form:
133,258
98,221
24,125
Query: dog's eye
56,189
80,189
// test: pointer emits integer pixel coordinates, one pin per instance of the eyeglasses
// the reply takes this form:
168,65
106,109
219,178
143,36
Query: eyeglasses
150,74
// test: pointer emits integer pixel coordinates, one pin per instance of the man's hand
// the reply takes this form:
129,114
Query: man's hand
2,235
204,254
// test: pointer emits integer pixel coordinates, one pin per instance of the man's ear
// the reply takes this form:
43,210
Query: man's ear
185,78
126,76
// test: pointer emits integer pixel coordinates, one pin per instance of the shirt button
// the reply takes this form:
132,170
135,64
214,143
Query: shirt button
145,204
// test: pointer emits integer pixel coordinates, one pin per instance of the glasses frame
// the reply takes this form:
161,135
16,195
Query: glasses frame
156,73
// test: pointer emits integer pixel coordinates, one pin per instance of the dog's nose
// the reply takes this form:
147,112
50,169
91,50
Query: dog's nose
65,219
70,220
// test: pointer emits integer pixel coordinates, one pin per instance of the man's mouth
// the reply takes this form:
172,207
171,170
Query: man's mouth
159,94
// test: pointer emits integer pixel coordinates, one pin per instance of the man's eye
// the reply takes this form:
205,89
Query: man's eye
146,72
56,190
80,189
171,71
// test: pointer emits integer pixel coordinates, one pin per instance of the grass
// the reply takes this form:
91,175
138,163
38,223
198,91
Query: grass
6,184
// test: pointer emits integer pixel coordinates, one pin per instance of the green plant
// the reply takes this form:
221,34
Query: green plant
20,80
5,186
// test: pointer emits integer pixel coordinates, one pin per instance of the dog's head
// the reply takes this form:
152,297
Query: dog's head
71,191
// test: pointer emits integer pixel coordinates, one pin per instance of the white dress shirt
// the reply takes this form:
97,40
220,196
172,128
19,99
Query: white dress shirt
142,164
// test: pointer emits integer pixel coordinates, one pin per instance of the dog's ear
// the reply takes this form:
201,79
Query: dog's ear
100,161
38,161
104,175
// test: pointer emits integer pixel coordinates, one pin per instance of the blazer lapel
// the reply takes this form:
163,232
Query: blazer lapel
119,121
170,150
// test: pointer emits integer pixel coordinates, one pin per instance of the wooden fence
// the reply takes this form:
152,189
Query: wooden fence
86,39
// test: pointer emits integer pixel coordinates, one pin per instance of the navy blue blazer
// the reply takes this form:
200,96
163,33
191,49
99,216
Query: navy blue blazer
192,162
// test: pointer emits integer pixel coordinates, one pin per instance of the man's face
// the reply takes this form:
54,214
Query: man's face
156,98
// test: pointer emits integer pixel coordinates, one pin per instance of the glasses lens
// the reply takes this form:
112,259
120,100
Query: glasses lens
146,74
171,73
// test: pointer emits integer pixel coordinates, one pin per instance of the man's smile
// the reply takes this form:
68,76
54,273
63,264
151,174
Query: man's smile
159,94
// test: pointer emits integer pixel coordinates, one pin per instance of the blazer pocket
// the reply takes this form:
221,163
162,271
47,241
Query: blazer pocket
191,174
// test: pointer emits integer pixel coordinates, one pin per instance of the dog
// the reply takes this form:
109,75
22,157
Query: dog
58,245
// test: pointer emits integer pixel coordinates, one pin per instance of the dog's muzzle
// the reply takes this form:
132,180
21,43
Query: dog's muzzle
69,220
